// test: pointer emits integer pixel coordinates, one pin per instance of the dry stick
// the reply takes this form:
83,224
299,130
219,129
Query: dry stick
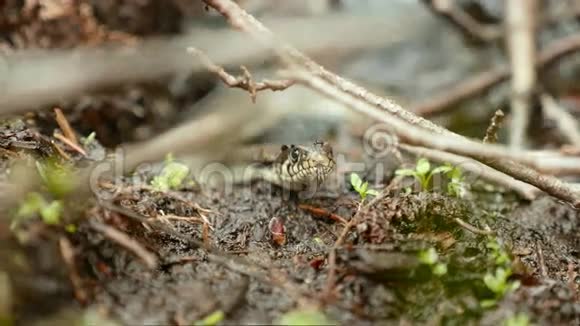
472,228
65,126
521,48
476,168
489,154
242,20
481,82
245,82
124,240
464,21
67,252
565,121
491,132
70,143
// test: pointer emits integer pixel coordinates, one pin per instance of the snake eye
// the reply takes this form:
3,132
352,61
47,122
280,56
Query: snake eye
295,155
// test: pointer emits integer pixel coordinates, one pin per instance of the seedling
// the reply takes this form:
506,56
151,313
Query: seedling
424,174
361,187
89,139
304,317
58,179
34,204
172,175
520,319
212,319
499,284
431,258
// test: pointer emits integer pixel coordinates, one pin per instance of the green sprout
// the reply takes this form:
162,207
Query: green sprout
172,175
304,317
499,284
34,204
57,178
498,254
519,319
361,187
212,319
424,174
430,258
89,139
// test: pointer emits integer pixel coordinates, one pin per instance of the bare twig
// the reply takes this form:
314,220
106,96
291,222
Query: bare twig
328,293
245,82
124,240
323,213
483,81
472,228
465,22
68,255
491,132
565,121
65,126
522,51
70,143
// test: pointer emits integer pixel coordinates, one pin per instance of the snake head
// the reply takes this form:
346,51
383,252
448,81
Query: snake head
307,164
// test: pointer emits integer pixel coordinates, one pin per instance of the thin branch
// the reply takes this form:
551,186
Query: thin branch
565,121
70,143
464,21
522,51
472,228
65,126
68,255
245,82
491,132
124,240
478,84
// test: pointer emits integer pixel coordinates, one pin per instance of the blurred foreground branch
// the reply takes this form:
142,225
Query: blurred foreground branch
32,78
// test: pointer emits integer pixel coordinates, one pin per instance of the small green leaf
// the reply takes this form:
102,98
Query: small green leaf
51,214
423,166
520,319
364,187
488,303
355,181
212,319
31,205
89,139
304,317
442,169
405,172
429,256
372,192
440,269
70,228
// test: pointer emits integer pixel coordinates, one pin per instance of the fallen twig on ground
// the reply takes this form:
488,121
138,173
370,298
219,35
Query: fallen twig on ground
323,213
124,240
472,228
65,126
68,255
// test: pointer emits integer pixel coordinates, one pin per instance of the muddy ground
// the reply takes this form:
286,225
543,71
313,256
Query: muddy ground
252,256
